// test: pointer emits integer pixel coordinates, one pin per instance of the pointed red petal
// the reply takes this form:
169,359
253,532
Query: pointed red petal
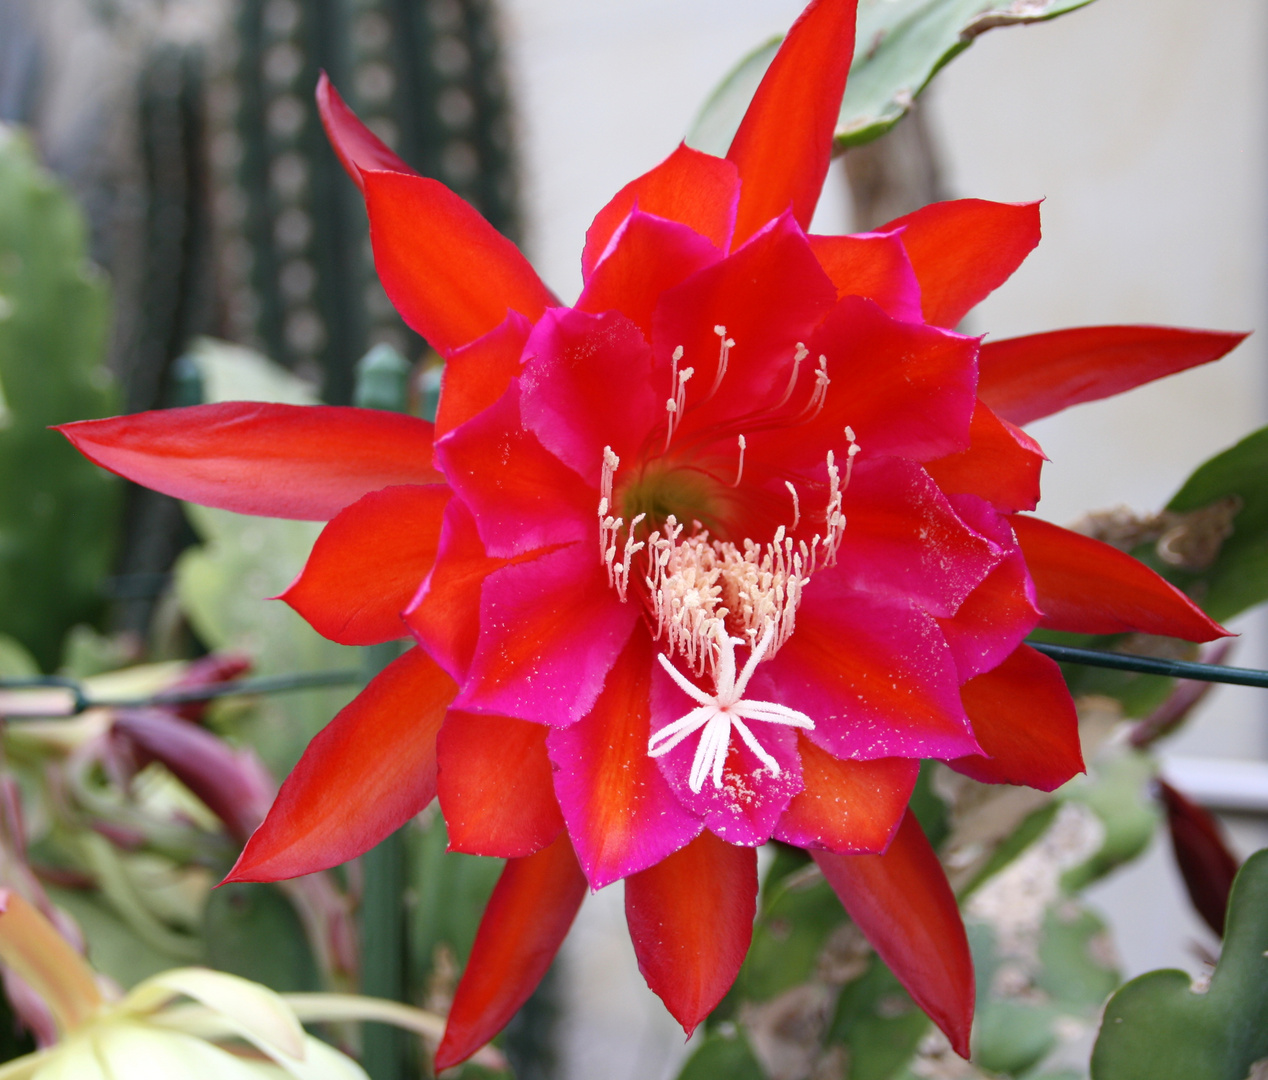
850,807
495,785
368,563
356,146
621,813
1087,587
1024,719
695,189
528,916
903,904
650,255
691,921
1026,378
365,774
871,265
450,274
1001,465
476,375
1206,864
784,143
288,461
964,250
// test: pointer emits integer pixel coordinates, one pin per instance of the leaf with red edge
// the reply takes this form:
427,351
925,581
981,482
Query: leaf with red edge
784,143
495,785
691,921
365,774
850,807
1086,587
451,275
287,461
356,146
1024,719
526,920
962,251
368,564
903,904
1001,465
1030,377
694,189
1206,864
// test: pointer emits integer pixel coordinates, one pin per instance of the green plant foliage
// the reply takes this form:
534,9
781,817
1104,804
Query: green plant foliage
1157,1028
900,46
1116,791
58,512
724,1055
1238,578
224,584
253,931
877,1022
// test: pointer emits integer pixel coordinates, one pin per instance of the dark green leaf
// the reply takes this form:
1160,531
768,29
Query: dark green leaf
878,1023
724,1055
253,931
1157,1028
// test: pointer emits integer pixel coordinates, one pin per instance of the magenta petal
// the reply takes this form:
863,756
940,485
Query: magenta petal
748,805
588,386
876,677
874,266
769,295
621,815
550,631
999,613
904,540
521,495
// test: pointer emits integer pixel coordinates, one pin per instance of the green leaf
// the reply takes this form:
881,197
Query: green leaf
1074,957
900,45
723,1055
878,1023
1012,1036
1116,791
1238,578
1157,1028
252,930
58,511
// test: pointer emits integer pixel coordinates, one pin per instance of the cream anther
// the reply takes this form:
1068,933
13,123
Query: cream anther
739,472
799,355
678,387
724,709
724,357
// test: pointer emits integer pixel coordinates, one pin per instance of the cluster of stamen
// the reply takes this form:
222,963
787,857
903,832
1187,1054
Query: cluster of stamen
705,596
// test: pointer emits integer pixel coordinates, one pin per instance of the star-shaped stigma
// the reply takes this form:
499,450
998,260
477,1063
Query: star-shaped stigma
724,709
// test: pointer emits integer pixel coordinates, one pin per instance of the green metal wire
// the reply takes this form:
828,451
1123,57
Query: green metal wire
1150,665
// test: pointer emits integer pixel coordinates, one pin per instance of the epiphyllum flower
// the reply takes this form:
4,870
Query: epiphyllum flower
742,449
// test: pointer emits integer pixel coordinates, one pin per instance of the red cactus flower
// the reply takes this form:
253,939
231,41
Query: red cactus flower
715,554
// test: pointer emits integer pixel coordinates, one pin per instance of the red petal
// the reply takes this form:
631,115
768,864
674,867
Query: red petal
522,496
1206,864
445,615
365,774
527,918
450,274
1001,464
1024,719
902,902
550,631
1086,587
696,189
495,785
289,461
476,375
784,143
964,250
871,265
691,921
1026,378
621,813
650,255
850,807
356,146
368,563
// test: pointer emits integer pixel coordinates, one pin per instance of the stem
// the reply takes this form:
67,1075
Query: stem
1149,665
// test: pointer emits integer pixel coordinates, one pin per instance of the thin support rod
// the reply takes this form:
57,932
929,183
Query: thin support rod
1151,665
